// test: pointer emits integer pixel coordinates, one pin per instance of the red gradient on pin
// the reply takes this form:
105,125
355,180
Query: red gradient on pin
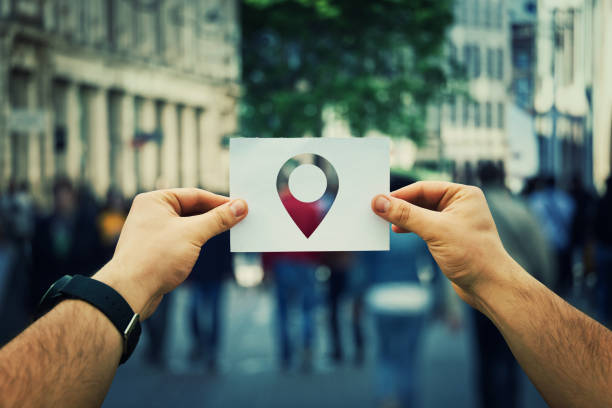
307,216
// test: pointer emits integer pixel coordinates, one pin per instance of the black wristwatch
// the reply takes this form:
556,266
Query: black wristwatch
104,298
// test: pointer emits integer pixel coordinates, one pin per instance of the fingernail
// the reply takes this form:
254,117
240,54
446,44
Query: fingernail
238,207
382,204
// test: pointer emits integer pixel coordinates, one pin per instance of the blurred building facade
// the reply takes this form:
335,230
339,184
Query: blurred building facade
474,128
470,128
523,157
522,16
539,92
601,23
573,99
134,94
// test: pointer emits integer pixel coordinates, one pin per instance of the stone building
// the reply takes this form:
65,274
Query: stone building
134,94
561,102
573,99
523,157
471,128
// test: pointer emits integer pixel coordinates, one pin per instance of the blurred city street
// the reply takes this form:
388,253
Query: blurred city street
250,376
103,103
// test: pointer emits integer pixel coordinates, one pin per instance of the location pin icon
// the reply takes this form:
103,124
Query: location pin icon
307,215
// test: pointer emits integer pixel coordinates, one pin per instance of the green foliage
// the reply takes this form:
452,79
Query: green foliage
375,63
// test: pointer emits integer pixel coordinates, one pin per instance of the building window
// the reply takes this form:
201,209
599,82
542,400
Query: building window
460,11
466,112
476,13
467,59
490,64
500,14
489,115
452,52
138,101
523,92
452,107
160,27
500,64
199,112
60,143
477,65
521,60
174,33
84,97
487,13
179,133
114,134
19,83
159,111
476,114
501,115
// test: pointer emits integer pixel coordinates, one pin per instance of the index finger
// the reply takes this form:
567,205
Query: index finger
192,201
433,195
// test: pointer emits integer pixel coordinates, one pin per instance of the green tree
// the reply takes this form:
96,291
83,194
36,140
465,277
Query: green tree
375,63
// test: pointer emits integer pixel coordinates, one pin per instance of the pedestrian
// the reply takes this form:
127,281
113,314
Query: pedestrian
340,265
295,284
12,288
156,329
341,285
603,236
213,267
555,209
66,241
17,219
18,202
582,227
400,298
110,222
498,380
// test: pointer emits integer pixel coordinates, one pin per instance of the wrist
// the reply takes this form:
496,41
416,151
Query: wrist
496,293
130,289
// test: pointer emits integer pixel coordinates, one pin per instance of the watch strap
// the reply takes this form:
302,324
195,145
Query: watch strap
112,304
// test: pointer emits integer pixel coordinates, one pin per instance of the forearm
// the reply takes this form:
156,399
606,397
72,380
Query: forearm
66,358
566,354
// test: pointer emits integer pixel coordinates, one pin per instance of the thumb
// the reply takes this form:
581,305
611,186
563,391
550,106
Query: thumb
407,216
219,219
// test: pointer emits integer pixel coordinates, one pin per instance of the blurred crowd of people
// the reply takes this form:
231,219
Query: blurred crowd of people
562,236
77,234
38,245
577,226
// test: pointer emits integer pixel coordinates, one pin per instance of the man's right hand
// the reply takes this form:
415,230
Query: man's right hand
565,353
455,222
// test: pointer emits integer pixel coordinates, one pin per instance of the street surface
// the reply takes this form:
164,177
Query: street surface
249,376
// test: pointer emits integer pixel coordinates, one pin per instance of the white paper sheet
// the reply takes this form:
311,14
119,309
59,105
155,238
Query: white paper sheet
362,168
